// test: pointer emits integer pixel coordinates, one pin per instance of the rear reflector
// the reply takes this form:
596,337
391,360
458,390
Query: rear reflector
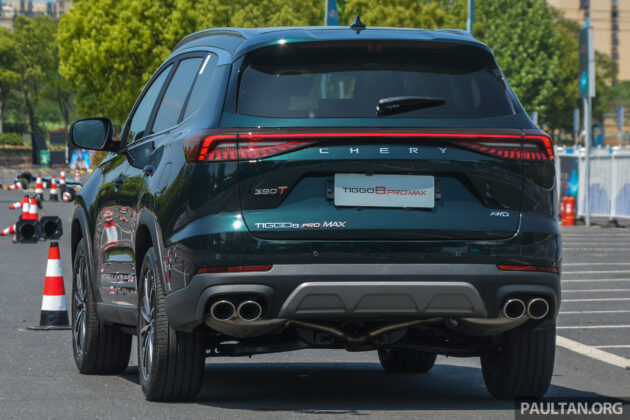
252,146
234,269
528,268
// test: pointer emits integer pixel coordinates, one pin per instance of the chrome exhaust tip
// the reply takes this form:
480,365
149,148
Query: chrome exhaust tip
537,308
249,310
222,310
514,309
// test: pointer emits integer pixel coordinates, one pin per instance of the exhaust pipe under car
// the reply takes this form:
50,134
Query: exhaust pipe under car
222,310
249,310
537,308
514,309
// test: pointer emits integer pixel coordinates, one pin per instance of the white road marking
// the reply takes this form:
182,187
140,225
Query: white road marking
596,272
594,312
594,300
592,352
615,346
595,290
577,327
592,280
596,263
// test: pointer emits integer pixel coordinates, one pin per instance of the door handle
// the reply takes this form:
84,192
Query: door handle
148,170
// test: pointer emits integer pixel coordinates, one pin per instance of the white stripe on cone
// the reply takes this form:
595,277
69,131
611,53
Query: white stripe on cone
54,303
53,268
26,207
33,212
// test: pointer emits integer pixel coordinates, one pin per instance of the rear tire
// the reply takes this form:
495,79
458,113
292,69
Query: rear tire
401,360
170,363
99,349
522,366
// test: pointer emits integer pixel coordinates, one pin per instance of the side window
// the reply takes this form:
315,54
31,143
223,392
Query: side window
140,118
200,89
176,93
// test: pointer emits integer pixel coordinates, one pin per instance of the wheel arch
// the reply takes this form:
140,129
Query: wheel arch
147,236
79,230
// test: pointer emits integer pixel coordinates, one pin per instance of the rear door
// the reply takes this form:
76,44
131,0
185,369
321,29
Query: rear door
343,170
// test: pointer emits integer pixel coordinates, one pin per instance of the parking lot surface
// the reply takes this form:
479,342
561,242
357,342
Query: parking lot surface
38,378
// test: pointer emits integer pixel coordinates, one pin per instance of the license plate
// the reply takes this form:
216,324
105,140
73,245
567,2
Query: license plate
359,190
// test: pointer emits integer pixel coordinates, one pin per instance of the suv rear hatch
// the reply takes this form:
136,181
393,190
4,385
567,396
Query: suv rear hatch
341,168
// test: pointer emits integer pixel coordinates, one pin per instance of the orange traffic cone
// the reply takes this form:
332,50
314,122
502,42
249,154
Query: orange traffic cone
62,178
16,186
32,211
54,194
18,205
26,207
8,231
77,175
39,188
54,313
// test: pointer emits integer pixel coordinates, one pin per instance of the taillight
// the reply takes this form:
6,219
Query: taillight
534,147
528,268
224,147
252,146
234,269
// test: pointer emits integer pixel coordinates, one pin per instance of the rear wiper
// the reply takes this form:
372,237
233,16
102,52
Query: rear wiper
399,104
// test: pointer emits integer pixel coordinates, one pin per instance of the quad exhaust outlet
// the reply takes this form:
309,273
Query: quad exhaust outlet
222,310
514,309
537,308
249,310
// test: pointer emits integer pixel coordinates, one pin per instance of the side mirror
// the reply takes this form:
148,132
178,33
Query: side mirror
93,134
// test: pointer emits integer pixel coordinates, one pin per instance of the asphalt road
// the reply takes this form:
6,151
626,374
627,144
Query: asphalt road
38,378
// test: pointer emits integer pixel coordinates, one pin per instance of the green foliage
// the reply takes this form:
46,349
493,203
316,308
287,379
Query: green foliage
11,139
522,35
36,63
9,79
109,49
401,13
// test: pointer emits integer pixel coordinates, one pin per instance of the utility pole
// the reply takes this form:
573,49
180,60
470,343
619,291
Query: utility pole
587,92
620,124
471,16
576,126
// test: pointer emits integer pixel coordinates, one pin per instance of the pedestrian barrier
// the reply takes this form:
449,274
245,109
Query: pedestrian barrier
609,188
54,312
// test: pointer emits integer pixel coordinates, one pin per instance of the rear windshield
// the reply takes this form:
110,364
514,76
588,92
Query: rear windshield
321,80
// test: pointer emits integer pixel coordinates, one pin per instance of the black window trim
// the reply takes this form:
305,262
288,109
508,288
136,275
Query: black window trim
156,107
158,73
174,61
206,62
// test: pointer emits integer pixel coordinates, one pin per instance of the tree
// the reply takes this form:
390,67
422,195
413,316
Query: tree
9,79
109,49
36,62
559,116
521,34
401,13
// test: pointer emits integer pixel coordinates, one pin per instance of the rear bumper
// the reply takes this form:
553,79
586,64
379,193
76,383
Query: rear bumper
364,291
